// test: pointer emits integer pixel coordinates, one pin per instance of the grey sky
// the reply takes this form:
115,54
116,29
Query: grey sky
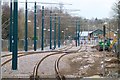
88,8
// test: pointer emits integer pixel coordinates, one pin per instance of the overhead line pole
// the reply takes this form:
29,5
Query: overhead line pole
42,39
55,32
50,30
26,28
15,36
104,33
11,28
59,32
76,32
35,42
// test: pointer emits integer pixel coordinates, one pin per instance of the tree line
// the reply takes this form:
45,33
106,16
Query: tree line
67,21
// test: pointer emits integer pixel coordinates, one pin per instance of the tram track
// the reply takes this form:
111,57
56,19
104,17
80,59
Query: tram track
35,70
35,75
59,76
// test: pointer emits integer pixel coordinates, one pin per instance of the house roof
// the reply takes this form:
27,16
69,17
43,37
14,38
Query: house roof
96,30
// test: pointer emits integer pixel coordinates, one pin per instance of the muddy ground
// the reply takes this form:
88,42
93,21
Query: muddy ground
90,63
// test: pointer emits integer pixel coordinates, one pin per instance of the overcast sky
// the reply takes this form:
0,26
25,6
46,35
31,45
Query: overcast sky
88,8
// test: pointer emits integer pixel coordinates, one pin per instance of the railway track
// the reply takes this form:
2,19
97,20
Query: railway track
30,53
35,71
59,76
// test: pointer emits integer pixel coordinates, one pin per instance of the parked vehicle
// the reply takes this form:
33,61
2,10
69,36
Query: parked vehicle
101,45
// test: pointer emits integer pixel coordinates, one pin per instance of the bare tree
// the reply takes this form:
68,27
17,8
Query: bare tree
5,20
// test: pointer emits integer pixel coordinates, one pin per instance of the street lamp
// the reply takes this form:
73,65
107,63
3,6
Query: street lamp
48,29
63,35
29,21
45,29
66,34
38,36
